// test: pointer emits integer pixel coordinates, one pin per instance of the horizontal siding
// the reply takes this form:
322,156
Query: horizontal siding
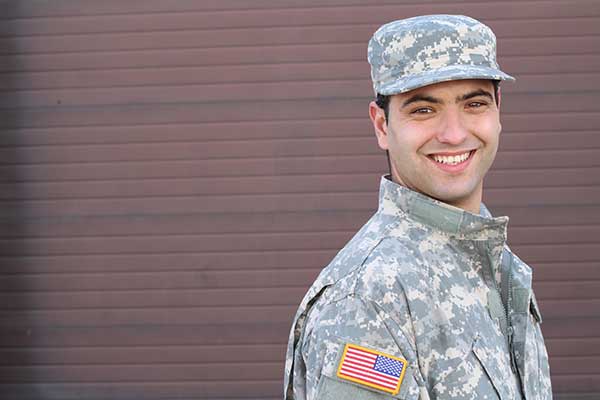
151,292
208,354
274,202
180,66
579,85
305,133
100,355
565,331
269,8
278,241
535,107
72,84
583,28
81,189
173,178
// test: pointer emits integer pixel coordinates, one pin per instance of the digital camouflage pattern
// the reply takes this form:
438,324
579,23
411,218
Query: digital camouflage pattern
420,51
435,285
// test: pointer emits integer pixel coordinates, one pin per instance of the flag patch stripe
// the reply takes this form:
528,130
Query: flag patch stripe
361,372
374,377
360,357
359,362
371,381
373,369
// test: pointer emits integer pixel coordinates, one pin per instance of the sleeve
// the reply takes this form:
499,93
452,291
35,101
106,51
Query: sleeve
337,328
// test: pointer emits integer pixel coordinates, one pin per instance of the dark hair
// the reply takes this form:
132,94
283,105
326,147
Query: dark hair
383,101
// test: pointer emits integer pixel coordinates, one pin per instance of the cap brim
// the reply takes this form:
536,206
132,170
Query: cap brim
444,74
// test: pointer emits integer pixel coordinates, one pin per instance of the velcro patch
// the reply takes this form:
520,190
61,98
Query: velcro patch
372,368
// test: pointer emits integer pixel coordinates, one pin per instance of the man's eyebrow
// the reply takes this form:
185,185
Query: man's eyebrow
420,97
475,93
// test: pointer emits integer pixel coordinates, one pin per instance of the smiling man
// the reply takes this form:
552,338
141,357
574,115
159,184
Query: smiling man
426,301
441,139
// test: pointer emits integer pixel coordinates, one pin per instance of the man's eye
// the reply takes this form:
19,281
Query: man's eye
477,104
423,110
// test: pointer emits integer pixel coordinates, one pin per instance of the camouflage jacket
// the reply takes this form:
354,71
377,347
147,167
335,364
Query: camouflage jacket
435,291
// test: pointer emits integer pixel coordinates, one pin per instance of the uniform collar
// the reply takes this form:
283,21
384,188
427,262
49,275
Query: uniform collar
395,199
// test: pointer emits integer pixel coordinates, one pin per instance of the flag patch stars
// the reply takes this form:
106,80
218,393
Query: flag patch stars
372,368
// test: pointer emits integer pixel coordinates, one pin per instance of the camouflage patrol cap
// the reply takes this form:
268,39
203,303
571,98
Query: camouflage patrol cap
419,51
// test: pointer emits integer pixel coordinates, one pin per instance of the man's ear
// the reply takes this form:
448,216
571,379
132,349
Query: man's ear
379,122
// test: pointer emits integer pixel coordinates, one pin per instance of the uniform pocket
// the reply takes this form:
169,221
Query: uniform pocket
481,368
530,353
333,389
495,371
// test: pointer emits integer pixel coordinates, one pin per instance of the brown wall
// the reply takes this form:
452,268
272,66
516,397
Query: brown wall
174,174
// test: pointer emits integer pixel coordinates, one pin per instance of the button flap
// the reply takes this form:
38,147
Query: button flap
495,372
535,309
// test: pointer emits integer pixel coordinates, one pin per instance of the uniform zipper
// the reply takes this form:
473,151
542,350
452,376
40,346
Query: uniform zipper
508,331
511,331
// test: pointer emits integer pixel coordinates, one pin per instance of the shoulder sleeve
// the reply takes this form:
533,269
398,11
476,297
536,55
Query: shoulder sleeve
354,322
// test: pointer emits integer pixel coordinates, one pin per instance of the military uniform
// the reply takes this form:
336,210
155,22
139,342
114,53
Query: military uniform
426,301
433,285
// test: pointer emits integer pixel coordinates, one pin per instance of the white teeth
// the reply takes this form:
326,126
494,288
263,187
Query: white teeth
452,160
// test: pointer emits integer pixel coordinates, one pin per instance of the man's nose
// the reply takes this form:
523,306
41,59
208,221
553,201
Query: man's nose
452,130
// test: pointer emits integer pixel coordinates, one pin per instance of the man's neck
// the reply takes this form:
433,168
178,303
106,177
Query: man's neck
471,203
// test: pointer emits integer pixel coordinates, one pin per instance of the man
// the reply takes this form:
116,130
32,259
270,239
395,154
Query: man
426,301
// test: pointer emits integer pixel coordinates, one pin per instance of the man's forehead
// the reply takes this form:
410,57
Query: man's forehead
453,87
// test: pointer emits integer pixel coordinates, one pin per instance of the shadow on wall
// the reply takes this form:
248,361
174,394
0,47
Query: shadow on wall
16,333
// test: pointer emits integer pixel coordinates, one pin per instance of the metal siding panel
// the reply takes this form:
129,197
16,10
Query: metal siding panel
573,66
265,184
131,336
143,354
182,389
268,36
111,317
527,9
165,281
336,88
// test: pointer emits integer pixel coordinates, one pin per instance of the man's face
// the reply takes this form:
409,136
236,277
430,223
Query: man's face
442,139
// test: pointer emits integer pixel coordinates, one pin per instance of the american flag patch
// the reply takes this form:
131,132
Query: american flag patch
372,368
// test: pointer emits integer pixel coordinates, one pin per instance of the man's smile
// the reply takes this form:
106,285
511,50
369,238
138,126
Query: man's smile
452,162
451,158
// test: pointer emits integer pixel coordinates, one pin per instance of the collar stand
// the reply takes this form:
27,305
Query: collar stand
395,199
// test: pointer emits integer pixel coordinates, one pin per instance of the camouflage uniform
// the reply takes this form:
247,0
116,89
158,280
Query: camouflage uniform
435,285
430,288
